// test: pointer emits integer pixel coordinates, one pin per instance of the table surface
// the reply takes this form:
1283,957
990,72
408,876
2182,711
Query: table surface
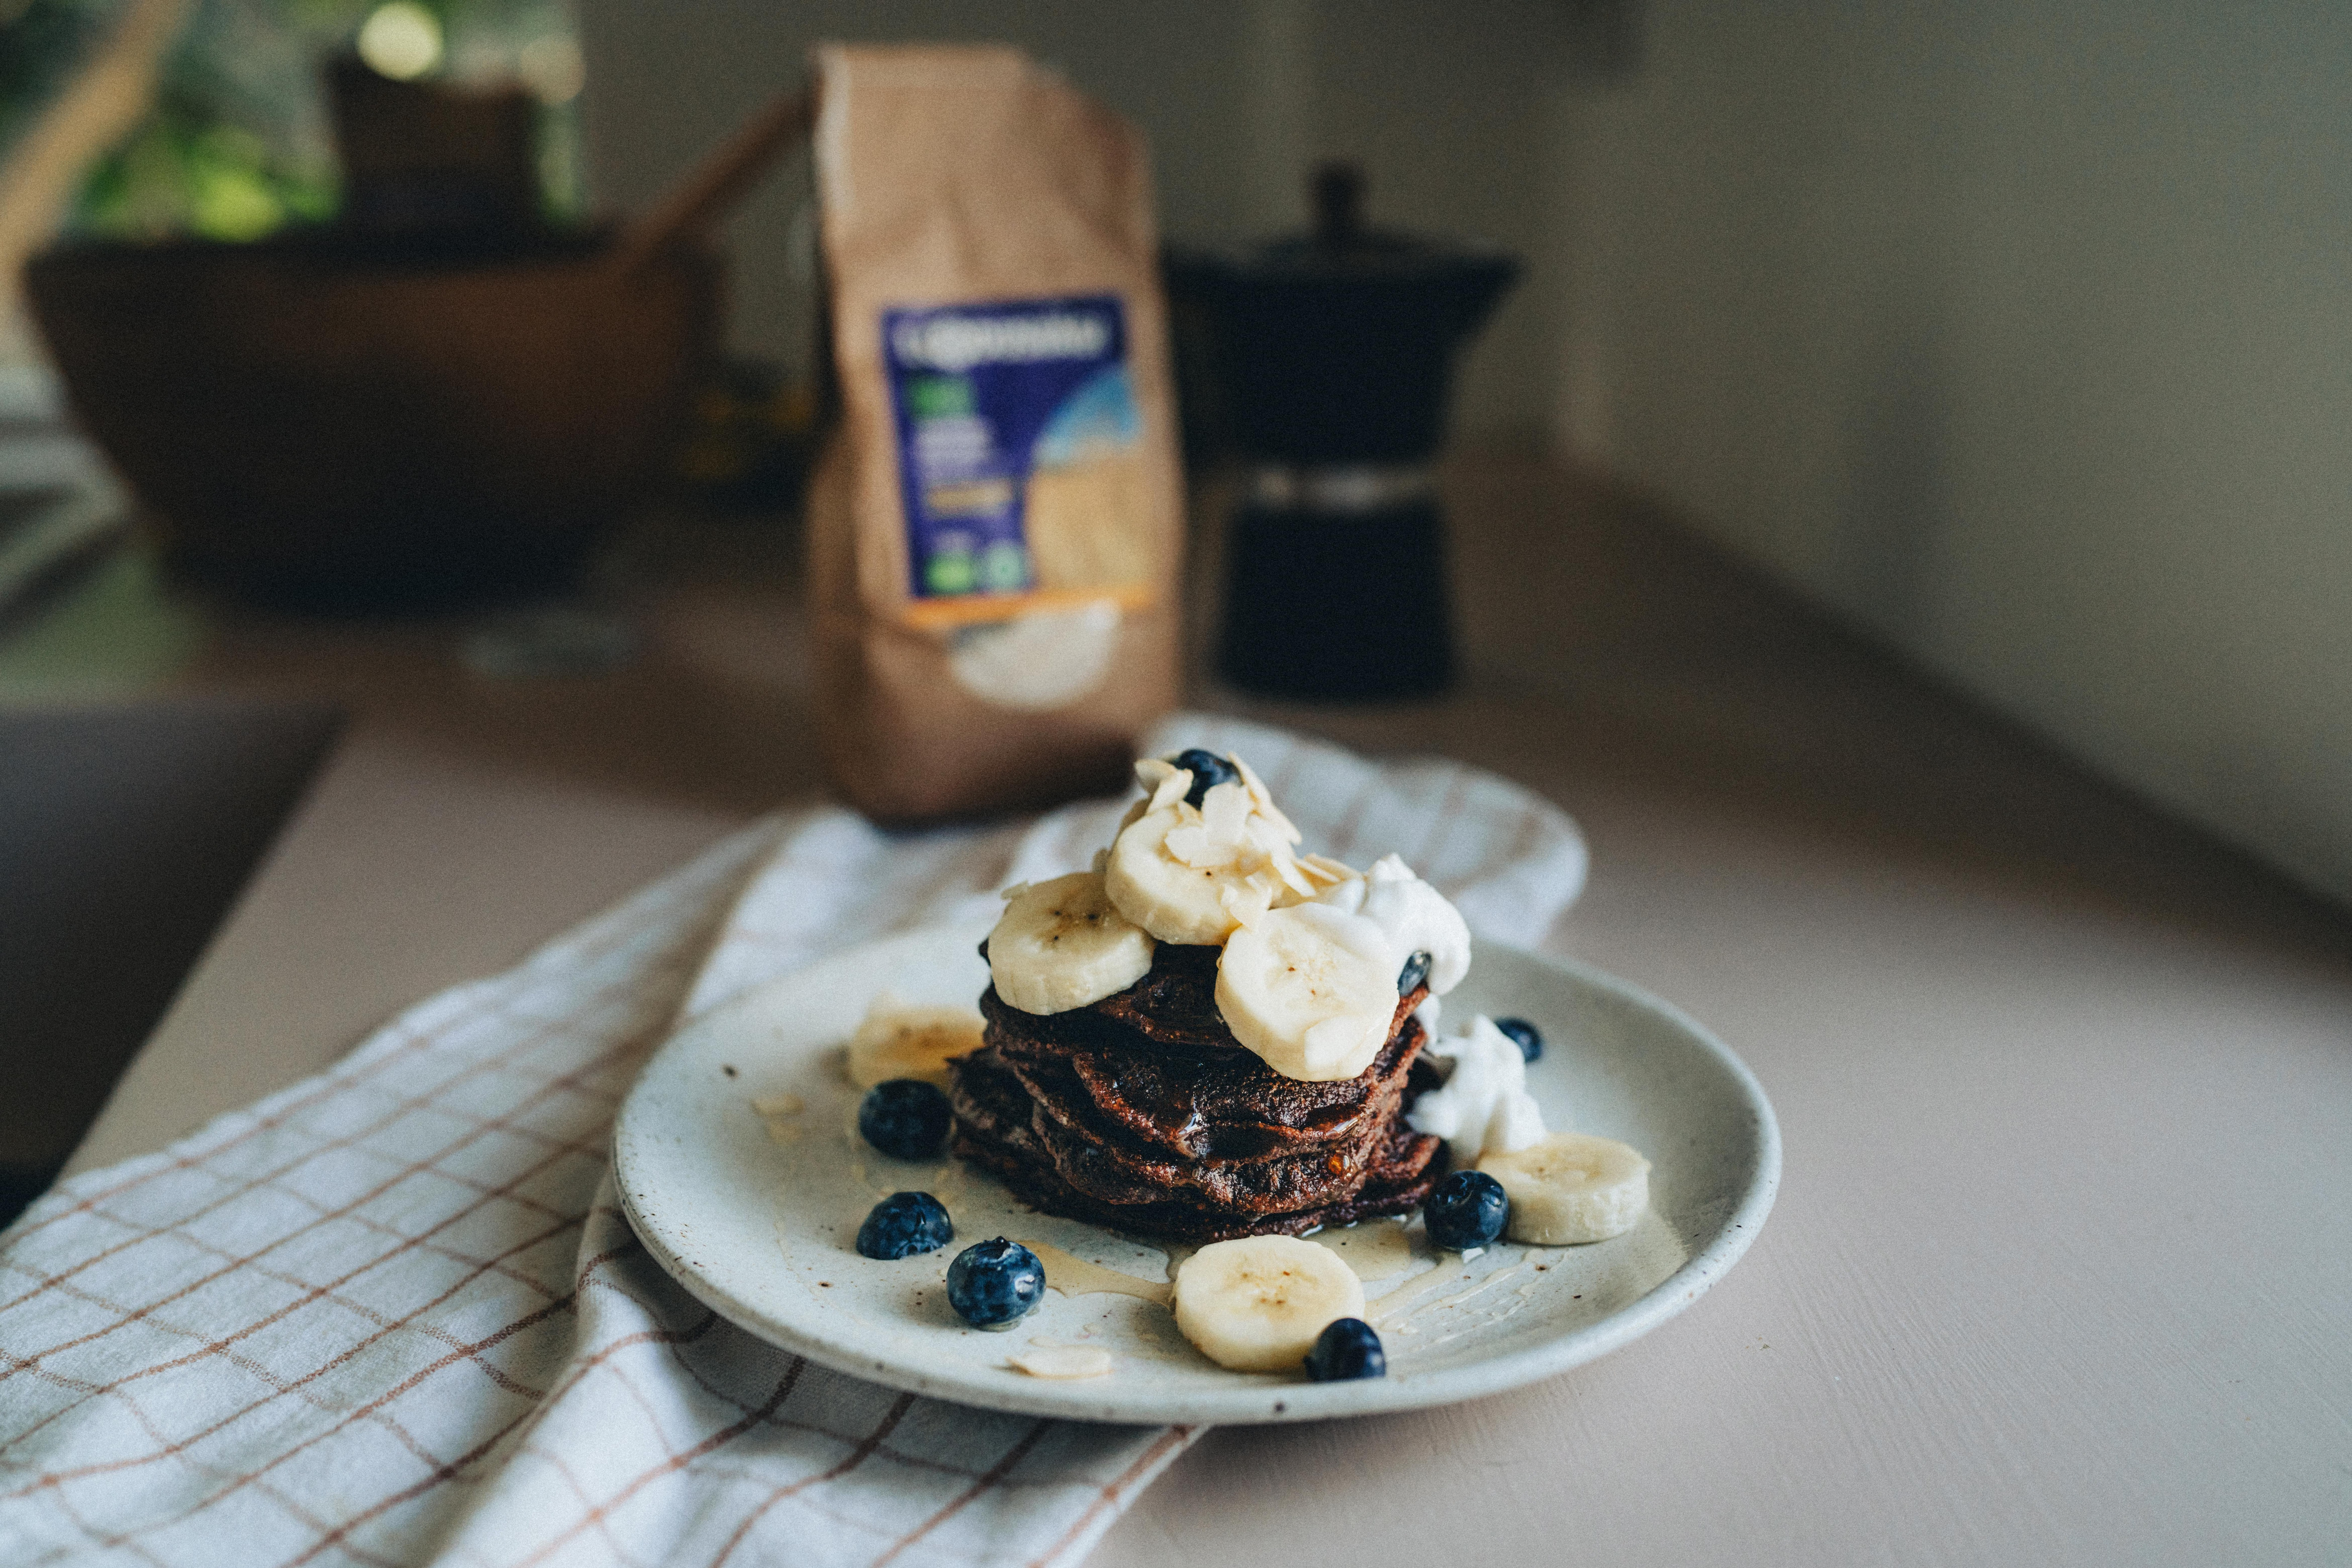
2060,1269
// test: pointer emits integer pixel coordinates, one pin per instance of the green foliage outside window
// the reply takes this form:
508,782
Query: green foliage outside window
238,144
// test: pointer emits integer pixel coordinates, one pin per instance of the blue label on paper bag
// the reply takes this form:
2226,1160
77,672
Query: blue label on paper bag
985,395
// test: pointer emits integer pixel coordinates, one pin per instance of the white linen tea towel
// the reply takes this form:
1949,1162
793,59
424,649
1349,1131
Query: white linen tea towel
392,1315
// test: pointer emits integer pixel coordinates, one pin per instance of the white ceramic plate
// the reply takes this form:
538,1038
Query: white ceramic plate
756,1215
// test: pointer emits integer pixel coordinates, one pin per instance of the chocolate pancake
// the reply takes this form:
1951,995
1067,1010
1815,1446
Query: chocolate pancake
1118,1173
1158,1061
1143,1113
1399,1185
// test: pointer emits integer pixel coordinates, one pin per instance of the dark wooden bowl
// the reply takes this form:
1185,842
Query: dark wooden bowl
317,420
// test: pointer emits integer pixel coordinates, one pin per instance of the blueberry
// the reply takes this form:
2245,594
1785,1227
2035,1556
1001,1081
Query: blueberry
991,1283
1466,1209
906,1119
1208,770
1416,971
1529,1037
903,1225
1347,1349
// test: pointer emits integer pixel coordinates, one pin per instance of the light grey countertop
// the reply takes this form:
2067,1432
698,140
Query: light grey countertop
2060,1269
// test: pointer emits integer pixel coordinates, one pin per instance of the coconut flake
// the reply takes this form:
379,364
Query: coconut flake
1171,789
1190,843
1264,800
1225,815
1225,832
1062,1360
1246,899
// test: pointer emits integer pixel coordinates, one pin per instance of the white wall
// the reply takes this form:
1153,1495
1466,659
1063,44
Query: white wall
2021,333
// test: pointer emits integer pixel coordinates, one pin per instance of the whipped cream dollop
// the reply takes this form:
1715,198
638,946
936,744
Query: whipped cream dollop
1410,916
1483,1107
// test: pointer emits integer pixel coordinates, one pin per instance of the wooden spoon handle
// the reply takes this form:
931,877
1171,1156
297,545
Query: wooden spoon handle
95,111
722,179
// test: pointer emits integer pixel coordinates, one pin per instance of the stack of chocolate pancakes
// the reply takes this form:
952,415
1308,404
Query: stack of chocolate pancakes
1141,1113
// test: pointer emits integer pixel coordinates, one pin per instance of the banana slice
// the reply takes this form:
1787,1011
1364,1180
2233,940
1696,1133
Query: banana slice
1062,943
1256,1304
1571,1188
1174,901
900,1041
1310,989
1193,873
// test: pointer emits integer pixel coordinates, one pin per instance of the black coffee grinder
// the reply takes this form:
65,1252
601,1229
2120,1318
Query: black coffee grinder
1331,357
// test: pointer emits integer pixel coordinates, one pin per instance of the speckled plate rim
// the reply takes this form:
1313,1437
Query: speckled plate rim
1246,1401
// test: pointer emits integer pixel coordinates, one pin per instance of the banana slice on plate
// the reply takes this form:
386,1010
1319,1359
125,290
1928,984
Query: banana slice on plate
1309,989
1192,873
1570,1188
897,1041
1063,943
1256,1304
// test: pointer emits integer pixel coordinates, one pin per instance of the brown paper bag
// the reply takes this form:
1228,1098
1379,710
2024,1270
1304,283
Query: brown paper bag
994,522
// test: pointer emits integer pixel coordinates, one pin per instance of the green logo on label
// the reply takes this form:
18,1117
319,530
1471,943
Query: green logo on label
950,571
939,396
